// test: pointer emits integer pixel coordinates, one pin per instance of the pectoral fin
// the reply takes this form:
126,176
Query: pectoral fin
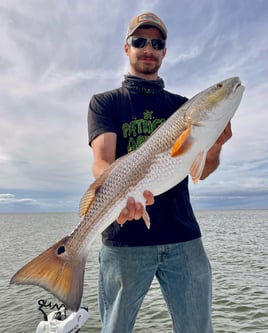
182,144
198,166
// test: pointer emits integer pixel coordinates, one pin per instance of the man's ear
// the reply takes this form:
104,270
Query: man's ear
126,49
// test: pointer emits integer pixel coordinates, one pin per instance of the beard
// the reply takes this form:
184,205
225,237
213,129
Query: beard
141,66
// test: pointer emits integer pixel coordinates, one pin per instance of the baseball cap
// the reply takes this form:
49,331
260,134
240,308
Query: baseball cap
146,19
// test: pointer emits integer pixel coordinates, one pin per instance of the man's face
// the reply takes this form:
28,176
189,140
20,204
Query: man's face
145,62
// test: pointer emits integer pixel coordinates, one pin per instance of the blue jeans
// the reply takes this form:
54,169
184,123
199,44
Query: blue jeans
184,275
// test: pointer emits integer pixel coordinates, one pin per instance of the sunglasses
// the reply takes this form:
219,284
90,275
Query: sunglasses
140,42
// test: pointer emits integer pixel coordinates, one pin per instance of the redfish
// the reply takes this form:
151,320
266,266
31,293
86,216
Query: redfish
176,149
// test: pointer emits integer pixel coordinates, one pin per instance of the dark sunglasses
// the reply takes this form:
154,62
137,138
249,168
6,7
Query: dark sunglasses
141,42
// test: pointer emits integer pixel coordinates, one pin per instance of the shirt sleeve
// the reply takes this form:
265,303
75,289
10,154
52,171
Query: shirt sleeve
101,118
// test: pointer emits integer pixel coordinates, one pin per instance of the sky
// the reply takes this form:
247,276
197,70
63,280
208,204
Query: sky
54,55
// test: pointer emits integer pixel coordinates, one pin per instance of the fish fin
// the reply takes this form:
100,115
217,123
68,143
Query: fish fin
146,218
182,144
198,166
58,271
89,197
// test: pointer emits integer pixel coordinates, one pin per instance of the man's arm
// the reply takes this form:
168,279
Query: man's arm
103,148
213,155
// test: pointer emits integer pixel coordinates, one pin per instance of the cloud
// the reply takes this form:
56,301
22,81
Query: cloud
8,198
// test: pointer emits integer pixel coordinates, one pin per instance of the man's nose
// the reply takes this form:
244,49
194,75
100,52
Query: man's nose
148,46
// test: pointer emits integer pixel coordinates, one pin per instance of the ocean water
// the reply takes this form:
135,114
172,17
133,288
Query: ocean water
236,243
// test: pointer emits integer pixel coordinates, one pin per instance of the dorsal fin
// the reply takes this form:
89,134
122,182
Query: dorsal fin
182,144
89,197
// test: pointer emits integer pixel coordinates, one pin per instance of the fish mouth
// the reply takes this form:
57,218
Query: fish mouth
238,85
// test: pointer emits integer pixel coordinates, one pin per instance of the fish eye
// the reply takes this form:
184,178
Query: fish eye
219,85
60,250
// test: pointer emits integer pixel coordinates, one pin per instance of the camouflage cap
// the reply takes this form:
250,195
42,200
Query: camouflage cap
149,19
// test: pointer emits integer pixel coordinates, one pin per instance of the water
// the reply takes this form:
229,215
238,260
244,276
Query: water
236,243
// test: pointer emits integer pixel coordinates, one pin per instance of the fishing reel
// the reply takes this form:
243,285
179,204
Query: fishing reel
61,319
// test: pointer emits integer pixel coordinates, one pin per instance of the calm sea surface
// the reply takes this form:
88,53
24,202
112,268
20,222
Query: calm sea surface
236,243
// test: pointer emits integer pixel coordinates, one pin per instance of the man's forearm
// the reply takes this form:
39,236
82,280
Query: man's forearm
213,155
99,167
212,160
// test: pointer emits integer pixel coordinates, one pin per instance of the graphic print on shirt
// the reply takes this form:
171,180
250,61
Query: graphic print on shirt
138,130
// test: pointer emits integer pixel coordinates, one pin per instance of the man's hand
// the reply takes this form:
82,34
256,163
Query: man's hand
134,210
213,155
225,135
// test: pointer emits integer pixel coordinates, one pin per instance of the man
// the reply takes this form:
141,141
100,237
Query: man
119,121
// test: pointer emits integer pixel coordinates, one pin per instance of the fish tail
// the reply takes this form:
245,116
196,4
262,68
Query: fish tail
59,270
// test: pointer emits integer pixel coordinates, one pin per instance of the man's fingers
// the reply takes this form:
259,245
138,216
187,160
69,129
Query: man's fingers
138,211
149,198
122,218
129,212
134,210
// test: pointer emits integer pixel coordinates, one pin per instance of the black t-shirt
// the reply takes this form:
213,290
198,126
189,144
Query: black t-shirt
133,112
